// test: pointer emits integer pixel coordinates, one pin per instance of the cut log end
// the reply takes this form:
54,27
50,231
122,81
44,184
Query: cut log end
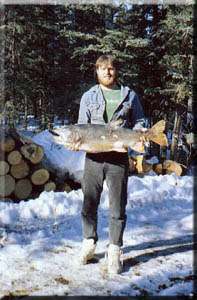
50,186
23,189
4,167
7,144
40,176
33,152
170,167
158,169
14,157
20,171
7,185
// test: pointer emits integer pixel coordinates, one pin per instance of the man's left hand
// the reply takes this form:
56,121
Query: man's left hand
144,139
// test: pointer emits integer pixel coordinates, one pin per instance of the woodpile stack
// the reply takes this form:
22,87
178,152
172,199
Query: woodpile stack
22,173
139,165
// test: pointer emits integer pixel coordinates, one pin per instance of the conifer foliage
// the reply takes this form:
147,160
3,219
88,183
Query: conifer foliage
50,51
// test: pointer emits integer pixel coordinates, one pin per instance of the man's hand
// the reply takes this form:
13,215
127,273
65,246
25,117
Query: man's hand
73,147
144,139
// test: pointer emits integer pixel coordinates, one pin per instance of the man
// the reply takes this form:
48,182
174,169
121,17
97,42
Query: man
102,103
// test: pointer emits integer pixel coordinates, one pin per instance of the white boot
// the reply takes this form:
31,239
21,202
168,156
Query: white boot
114,263
86,252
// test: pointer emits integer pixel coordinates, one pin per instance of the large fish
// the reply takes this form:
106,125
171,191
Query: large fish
95,138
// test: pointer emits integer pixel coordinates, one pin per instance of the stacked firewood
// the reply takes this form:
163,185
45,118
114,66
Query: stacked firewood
139,165
22,172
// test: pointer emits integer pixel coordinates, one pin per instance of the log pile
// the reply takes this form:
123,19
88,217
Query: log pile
22,173
138,165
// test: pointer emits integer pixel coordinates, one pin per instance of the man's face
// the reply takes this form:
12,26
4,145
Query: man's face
106,74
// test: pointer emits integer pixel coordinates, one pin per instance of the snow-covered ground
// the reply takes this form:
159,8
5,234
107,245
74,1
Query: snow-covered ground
36,258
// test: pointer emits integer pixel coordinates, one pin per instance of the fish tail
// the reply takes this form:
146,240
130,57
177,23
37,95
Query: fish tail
156,134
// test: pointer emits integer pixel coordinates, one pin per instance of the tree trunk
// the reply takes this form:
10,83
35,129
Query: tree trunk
175,136
13,82
26,112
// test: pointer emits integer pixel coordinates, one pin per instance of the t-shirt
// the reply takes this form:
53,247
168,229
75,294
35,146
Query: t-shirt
112,99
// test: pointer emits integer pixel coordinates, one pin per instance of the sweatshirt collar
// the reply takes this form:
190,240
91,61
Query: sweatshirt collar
124,90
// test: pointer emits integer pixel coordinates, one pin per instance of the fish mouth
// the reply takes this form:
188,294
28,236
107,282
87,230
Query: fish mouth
53,132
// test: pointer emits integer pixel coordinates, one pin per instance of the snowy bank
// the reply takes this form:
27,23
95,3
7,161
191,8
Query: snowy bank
37,259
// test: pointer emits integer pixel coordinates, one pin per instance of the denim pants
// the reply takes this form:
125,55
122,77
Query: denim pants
112,167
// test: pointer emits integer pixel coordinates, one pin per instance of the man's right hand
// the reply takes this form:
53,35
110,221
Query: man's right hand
73,147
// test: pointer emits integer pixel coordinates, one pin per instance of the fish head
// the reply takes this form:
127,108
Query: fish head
61,135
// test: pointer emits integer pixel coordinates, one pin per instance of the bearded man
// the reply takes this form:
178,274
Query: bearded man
104,102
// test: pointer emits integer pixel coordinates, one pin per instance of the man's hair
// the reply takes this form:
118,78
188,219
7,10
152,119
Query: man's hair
107,59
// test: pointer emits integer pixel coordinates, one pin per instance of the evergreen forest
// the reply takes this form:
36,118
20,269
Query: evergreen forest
48,54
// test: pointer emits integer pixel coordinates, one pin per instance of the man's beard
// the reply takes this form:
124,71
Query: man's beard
107,81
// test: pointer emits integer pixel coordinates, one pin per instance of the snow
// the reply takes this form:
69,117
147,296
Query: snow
36,258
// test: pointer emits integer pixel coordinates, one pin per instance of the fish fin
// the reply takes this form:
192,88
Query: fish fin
160,139
156,133
159,126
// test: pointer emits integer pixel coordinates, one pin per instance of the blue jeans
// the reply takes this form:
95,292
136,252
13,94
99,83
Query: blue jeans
112,167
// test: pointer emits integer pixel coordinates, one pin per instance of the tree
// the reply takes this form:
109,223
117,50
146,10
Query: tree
29,60
49,59
176,62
